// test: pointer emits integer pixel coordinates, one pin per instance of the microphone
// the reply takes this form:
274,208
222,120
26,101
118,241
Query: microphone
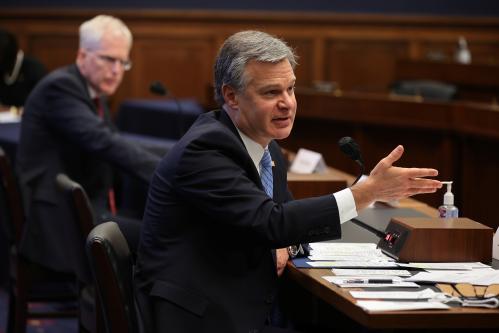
158,88
350,148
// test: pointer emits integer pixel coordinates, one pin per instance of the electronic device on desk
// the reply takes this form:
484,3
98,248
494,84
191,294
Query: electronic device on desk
423,239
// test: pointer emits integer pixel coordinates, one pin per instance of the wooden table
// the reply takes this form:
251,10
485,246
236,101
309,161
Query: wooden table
329,306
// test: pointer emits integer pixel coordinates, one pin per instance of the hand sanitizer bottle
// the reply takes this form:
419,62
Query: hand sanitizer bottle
462,54
448,210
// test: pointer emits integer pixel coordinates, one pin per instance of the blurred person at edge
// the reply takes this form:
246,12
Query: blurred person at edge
66,128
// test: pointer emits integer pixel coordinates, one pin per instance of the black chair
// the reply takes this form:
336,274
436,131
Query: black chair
83,222
112,267
29,282
427,89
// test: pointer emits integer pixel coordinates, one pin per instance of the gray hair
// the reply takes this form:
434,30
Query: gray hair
238,50
91,31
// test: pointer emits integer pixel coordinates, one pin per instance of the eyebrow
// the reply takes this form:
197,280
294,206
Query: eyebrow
275,85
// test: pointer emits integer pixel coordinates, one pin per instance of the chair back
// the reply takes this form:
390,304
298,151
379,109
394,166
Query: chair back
79,227
13,197
112,268
80,203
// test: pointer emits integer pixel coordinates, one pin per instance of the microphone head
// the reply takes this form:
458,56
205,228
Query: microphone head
349,147
157,88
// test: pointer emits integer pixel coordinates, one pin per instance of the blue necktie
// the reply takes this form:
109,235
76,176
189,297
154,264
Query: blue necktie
266,173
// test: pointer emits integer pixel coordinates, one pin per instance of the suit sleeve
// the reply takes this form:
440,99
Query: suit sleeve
221,188
71,115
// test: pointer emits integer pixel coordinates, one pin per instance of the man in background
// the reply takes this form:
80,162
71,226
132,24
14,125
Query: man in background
218,202
66,128
18,72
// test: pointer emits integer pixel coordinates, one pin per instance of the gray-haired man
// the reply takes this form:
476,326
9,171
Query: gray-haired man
210,221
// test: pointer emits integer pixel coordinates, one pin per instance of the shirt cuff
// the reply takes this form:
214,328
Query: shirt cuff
346,205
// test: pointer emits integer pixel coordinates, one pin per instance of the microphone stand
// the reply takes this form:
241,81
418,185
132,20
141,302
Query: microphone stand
158,88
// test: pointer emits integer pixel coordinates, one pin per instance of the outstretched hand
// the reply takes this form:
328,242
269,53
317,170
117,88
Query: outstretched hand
388,183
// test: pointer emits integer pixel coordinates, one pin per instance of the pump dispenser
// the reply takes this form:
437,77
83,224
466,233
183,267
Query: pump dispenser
448,210
462,54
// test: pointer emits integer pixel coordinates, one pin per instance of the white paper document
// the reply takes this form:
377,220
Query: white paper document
495,245
354,282
403,295
480,277
370,272
9,117
329,257
352,264
332,249
375,306
445,265
308,161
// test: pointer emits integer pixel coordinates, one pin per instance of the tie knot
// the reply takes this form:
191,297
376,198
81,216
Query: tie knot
266,160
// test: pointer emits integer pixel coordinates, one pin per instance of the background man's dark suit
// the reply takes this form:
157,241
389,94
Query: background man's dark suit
209,227
61,132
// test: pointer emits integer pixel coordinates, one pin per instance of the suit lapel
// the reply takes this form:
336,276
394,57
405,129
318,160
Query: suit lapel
248,165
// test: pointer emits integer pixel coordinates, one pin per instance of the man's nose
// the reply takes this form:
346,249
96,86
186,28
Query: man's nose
286,101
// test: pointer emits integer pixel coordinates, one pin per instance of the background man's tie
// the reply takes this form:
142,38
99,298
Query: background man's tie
266,173
110,194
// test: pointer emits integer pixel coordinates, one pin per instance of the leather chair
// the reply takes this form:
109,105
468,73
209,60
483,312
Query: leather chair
427,89
28,282
112,267
82,224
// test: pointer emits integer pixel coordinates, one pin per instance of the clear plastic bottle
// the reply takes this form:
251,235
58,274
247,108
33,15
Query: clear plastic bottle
463,54
448,210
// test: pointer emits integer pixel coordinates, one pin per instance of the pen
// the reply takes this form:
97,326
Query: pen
366,281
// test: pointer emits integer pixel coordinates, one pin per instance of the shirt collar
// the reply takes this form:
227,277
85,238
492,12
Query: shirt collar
91,91
255,150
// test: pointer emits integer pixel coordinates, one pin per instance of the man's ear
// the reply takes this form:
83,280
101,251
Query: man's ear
230,96
80,56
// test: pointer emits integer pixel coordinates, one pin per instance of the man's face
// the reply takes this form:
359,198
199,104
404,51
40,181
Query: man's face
104,67
266,109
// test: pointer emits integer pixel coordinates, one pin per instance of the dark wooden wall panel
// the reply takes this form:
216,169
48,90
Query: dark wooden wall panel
363,65
304,48
53,51
181,64
359,52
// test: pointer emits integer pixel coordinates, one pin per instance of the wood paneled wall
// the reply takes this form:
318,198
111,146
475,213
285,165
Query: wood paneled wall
358,52
460,139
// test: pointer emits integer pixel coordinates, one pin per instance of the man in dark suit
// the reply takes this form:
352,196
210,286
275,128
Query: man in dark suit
214,213
66,128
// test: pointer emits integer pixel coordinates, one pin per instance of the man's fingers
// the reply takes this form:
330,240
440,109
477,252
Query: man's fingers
395,155
427,183
389,159
421,172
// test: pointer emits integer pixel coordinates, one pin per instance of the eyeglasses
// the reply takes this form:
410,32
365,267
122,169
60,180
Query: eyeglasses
111,61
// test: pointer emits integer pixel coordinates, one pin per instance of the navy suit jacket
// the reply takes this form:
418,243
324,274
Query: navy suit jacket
61,133
204,254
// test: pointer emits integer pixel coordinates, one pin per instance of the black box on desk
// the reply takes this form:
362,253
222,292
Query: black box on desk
422,239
